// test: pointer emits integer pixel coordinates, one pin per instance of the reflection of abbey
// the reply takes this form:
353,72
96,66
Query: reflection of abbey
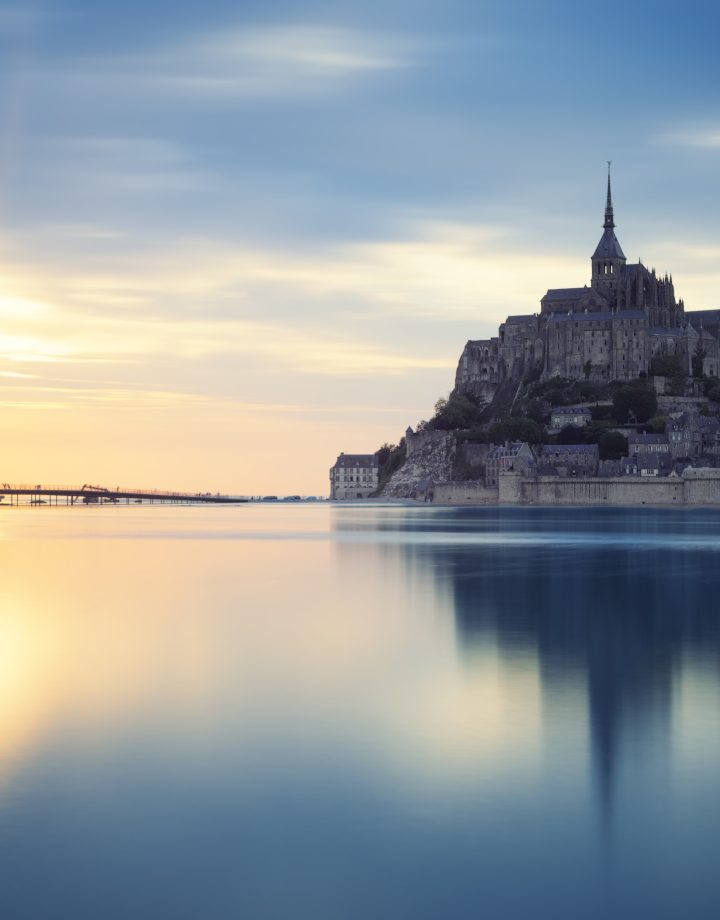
609,330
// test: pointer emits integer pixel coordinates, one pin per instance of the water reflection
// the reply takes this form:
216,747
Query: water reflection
349,712
613,605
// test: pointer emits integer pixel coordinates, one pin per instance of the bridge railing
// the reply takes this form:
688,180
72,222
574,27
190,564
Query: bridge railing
87,489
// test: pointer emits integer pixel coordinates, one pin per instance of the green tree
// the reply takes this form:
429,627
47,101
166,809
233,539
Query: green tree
698,359
457,411
587,369
394,461
384,452
665,366
571,434
639,400
612,446
517,429
656,424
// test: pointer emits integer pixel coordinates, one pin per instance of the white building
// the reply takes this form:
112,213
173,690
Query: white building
353,476
579,416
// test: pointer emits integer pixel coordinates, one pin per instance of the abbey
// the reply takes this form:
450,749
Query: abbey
610,329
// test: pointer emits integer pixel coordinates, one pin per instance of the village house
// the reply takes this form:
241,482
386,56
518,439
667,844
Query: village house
516,456
578,416
568,460
354,476
648,443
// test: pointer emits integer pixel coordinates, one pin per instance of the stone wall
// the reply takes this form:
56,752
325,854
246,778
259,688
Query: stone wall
695,487
464,493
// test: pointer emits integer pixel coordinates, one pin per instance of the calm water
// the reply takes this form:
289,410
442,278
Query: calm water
359,712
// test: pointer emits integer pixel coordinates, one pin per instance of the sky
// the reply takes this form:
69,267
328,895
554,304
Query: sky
239,238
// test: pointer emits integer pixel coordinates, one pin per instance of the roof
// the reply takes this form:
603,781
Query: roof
571,410
569,450
636,268
565,293
660,462
599,316
608,247
628,314
656,330
635,438
356,460
520,318
706,316
513,450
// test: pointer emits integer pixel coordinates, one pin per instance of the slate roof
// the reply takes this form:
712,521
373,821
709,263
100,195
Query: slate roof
565,293
569,450
571,410
663,463
345,461
497,453
608,247
704,316
600,316
520,318
635,438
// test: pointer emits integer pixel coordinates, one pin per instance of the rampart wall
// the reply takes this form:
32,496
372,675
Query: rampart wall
695,487
464,493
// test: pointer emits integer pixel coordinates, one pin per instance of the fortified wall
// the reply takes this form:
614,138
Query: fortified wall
694,487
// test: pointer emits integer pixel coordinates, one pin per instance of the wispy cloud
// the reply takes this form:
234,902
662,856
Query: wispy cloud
707,136
255,62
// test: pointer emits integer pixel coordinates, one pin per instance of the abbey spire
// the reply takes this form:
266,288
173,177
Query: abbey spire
608,258
609,219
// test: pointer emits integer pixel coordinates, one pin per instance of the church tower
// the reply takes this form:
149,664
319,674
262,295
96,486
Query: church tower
608,259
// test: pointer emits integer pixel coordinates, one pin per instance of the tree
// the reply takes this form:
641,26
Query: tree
656,424
639,400
587,369
698,359
612,446
571,434
384,452
457,411
517,429
665,366
537,410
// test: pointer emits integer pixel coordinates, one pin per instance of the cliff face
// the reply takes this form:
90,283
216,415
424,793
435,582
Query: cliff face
430,458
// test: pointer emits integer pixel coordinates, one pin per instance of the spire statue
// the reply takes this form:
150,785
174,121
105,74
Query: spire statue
609,217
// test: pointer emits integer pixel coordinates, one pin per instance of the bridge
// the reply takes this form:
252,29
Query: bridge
100,495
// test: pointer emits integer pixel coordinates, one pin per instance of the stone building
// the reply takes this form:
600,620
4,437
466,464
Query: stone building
353,476
578,416
568,460
516,456
607,330
648,443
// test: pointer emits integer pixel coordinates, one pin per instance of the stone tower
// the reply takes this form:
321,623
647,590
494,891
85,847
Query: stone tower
608,259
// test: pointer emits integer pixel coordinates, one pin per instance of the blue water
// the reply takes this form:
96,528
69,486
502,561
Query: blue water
362,711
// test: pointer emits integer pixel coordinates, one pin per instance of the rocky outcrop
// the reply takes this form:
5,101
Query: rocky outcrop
430,459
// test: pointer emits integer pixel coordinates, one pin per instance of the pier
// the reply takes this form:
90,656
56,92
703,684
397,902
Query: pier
100,495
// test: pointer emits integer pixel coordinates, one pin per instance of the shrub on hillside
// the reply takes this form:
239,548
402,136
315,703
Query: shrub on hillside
636,399
612,446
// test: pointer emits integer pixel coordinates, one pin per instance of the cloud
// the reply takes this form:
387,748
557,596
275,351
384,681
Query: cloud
256,62
707,137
